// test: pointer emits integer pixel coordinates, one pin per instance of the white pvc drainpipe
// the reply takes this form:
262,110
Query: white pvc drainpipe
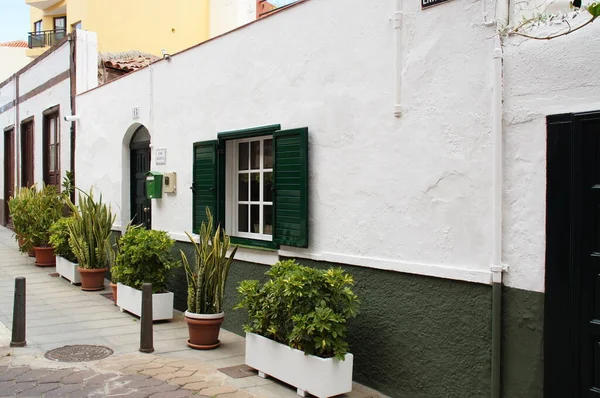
397,18
496,264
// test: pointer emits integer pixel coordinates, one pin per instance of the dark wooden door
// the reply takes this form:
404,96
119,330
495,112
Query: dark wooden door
141,211
9,172
27,149
572,307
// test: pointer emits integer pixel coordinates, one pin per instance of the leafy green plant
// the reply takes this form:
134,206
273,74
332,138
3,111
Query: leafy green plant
89,232
302,307
46,208
59,239
143,256
207,274
21,212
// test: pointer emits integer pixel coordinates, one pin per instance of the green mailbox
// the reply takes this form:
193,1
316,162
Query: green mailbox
154,181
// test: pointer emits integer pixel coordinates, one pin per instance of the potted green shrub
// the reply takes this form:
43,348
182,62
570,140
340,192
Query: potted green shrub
296,328
21,213
46,206
206,276
66,262
143,256
89,238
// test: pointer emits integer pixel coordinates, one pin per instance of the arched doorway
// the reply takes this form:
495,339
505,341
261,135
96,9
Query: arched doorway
139,155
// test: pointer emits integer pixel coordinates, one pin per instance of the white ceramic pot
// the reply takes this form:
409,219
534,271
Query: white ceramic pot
321,377
67,270
130,300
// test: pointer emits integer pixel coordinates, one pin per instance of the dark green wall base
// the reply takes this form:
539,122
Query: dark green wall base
423,337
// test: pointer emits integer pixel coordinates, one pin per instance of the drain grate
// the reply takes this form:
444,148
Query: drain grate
239,371
78,353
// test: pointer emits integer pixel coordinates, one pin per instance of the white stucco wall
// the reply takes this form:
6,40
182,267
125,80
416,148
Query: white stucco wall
541,78
11,60
409,194
59,94
226,15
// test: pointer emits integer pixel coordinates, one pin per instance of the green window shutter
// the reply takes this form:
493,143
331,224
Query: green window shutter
291,187
204,187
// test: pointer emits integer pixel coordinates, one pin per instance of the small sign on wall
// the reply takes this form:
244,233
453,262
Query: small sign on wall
135,112
431,3
160,155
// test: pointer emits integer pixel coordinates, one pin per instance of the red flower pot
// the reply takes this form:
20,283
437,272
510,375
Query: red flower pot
44,257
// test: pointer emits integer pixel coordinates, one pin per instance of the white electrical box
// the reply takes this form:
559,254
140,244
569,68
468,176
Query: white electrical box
170,183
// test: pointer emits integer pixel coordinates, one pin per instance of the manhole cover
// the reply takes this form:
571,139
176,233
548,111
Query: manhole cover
78,353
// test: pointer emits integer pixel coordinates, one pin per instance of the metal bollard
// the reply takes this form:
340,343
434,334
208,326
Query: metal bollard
146,334
18,326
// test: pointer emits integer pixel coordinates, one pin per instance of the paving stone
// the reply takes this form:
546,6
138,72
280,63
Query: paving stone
62,391
160,388
3,369
39,390
33,375
156,371
144,383
201,385
129,395
173,394
13,373
87,391
194,378
56,376
174,375
216,391
78,377
237,394
17,388
141,366
134,377
100,379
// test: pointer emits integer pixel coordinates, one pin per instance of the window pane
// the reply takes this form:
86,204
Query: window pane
255,187
52,158
268,192
243,187
52,132
243,218
243,156
268,220
255,218
255,155
268,154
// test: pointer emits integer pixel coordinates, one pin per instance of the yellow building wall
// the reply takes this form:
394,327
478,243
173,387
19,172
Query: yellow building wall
143,25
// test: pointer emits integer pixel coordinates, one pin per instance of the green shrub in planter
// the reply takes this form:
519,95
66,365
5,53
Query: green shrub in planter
59,239
143,256
44,208
302,307
22,213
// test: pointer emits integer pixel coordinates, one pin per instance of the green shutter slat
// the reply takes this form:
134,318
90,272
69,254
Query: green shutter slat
291,187
205,181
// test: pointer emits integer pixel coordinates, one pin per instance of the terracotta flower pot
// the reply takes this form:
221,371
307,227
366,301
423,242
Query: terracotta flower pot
44,257
204,330
113,286
92,279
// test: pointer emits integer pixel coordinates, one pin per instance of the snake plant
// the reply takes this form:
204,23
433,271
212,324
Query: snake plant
207,274
90,231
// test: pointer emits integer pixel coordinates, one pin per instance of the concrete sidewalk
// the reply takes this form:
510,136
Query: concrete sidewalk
60,314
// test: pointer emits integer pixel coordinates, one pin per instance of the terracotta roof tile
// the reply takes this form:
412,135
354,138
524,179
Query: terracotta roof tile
16,43
130,65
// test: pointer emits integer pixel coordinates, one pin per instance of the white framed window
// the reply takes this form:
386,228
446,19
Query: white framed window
249,180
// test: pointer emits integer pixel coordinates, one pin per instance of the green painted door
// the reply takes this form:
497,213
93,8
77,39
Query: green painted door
141,210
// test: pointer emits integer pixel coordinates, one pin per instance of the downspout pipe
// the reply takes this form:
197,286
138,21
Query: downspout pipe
496,266
398,64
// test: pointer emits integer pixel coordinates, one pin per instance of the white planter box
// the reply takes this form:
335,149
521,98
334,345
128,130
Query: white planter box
68,270
309,374
130,300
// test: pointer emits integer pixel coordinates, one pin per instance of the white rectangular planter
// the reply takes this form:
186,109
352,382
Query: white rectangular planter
130,300
321,377
68,270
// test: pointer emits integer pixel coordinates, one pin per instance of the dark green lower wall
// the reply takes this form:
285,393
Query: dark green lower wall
424,337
